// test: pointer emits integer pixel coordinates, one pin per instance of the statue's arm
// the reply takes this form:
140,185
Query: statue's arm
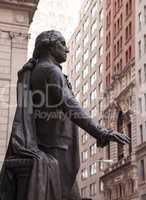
77,114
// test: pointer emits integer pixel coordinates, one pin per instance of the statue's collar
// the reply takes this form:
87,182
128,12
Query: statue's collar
53,61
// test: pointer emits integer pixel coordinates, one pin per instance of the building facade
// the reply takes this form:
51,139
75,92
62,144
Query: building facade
120,98
85,69
120,179
15,18
140,62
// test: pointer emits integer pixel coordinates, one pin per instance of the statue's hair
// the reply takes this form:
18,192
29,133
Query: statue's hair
45,38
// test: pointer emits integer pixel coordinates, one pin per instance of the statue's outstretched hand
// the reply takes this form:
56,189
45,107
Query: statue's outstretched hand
109,135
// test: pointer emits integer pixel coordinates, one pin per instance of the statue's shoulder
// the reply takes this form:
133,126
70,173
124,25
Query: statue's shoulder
44,70
46,67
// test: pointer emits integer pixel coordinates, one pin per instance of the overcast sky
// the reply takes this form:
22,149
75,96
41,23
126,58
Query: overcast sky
62,15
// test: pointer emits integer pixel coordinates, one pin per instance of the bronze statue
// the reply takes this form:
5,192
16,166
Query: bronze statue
44,137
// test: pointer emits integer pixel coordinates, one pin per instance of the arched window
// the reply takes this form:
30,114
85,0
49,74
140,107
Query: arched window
120,190
129,130
131,186
120,129
109,195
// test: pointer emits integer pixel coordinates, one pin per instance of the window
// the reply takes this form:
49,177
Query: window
101,165
101,15
77,82
139,20
93,61
120,121
108,152
85,103
85,72
108,40
139,76
93,44
100,68
115,51
142,170
93,112
145,14
130,5
84,174
100,51
127,58
100,106
93,149
108,19
144,43
118,26
108,80
121,41
84,138
126,33
85,88
145,101
130,52
127,9
140,105
141,133
139,49
121,65
77,67
78,96
93,95
101,33
101,186
144,72
83,192
84,155
108,2
86,55
115,7
78,36
129,131
86,7
93,169
108,60
100,87
118,47
86,23
93,27
93,189
130,29
93,78
100,1
94,10
78,51
121,21
86,39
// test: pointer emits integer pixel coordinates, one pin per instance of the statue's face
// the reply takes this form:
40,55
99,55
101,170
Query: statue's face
59,49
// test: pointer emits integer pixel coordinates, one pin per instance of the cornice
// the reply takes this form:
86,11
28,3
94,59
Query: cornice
118,167
22,5
13,34
117,77
141,148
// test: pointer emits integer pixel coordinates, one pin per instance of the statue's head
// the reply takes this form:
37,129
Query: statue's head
53,43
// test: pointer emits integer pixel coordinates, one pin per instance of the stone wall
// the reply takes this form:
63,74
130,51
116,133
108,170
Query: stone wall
14,25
